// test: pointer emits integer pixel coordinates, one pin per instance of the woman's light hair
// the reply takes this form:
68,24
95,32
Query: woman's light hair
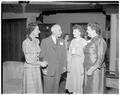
95,26
81,29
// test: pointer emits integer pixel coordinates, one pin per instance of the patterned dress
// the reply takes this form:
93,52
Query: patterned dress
32,73
75,74
94,56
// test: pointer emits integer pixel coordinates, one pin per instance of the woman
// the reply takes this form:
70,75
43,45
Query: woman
75,68
94,56
31,49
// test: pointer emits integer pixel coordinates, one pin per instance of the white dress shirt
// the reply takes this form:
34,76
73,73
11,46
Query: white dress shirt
54,39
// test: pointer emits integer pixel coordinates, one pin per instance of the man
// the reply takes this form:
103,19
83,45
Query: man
54,52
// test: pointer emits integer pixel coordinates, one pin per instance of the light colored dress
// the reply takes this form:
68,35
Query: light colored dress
75,74
32,73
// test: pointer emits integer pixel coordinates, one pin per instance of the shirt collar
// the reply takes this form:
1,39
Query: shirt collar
54,39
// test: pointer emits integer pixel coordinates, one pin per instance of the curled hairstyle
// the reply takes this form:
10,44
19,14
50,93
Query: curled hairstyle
31,27
81,29
95,26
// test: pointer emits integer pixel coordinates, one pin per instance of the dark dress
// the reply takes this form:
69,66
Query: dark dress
94,56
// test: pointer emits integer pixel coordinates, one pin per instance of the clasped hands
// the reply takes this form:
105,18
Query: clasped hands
89,72
44,63
45,70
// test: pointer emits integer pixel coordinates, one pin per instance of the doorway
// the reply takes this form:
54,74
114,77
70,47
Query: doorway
13,34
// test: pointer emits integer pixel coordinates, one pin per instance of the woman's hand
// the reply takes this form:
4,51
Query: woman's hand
44,63
44,71
89,72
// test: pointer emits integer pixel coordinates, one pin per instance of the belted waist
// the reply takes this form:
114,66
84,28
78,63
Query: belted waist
29,65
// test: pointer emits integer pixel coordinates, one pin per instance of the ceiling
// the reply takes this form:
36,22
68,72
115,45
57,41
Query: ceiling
60,7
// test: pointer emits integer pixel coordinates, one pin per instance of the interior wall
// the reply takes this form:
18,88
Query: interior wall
31,17
65,19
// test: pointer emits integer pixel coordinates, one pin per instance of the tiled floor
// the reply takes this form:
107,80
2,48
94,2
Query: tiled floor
108,90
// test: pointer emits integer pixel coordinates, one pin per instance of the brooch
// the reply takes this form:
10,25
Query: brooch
61,43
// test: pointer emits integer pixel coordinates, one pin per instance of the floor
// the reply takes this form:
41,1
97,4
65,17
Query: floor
108,90
112,90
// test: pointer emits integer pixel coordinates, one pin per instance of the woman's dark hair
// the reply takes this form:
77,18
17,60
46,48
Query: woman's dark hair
66,35
95,26
81,29
31,27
